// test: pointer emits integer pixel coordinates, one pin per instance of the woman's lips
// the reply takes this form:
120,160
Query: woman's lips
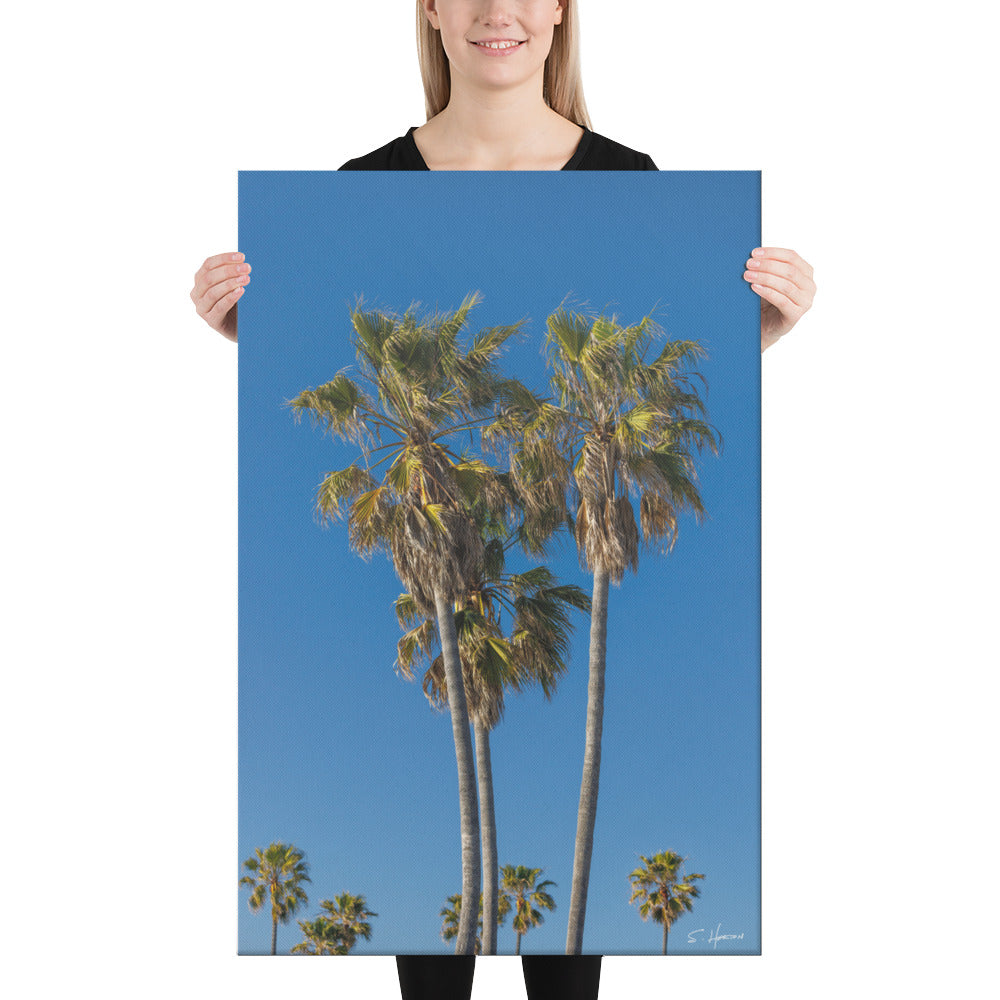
498,46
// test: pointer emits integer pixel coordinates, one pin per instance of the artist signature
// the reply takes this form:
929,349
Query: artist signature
714,937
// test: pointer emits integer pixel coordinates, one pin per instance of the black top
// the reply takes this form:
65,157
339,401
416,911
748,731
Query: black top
595,152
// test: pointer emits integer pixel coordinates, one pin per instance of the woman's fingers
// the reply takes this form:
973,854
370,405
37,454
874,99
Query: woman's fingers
775,281
784,256
233,257
788,307
217,270
787,273
784,282
227,289
218,285
218,316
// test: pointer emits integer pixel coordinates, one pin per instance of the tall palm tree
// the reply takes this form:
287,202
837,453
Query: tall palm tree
418,391
531,650
663,890
452,911
517,884
322,937
277,874
624,427
350,915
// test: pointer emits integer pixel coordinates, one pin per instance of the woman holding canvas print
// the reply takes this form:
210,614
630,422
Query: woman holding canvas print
503,92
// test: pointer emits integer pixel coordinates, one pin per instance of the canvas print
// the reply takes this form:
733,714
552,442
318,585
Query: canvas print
499,564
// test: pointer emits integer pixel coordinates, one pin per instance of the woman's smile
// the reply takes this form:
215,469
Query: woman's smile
497,46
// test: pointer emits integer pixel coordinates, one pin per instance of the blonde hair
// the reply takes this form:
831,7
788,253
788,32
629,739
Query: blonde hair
562,89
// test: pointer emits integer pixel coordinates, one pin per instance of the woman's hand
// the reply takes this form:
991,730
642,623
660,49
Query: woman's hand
218,285
784,282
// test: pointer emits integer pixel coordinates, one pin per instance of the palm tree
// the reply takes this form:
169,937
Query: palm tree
277,873
349,914
624,427
532,650
452,911
662,888
518,886
425,391
322,937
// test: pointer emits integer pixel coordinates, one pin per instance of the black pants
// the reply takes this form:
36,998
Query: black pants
546,977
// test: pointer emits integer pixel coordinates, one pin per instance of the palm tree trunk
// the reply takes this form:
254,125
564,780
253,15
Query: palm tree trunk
591,764
487,819
274,935
666,927
517,951
465,943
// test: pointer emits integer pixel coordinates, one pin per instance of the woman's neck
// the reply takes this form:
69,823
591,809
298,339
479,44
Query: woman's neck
483,130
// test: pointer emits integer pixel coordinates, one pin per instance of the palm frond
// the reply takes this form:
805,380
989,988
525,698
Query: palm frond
415,645
371,331
568,334
339,407
341,486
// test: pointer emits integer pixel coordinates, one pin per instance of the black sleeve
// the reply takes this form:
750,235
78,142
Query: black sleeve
598,152
399,154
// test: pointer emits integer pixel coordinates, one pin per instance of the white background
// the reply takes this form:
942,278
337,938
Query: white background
124,127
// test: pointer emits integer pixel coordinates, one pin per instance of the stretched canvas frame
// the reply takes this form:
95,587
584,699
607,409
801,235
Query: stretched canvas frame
348,761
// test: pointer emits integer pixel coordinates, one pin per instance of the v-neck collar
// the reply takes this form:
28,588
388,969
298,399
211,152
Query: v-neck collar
572,163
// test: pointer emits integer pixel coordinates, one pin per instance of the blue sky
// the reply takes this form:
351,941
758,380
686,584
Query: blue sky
343,758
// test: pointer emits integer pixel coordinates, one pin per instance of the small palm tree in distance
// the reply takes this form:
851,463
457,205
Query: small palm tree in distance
322,937
526,898
350,914
452,912
276,874
663,890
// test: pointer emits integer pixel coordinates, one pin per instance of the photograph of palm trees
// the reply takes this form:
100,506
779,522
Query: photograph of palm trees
499,519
